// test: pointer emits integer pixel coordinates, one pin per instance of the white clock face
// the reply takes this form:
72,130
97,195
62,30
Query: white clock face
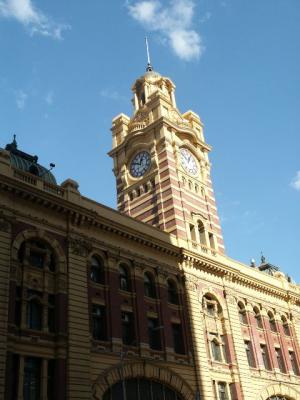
189,162
140,164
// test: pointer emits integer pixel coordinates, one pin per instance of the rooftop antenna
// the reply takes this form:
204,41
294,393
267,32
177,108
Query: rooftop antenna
149,66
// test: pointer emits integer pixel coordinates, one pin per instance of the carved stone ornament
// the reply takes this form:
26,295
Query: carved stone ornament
4,226
80,247
191,283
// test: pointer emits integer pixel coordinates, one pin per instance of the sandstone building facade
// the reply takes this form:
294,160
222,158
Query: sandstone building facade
139,303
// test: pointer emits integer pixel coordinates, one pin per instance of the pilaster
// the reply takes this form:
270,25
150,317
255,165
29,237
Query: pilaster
5,243
79,386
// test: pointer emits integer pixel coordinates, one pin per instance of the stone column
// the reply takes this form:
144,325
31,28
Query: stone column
21,378
79,385
5,244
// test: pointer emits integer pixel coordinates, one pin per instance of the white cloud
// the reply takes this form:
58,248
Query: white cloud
296,181
33,19
49,97
21,98
173,22
112,95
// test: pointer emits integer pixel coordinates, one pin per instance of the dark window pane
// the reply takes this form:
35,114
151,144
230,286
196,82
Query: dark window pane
149,286
145,389
178,339
98,322
157,391
34,315
50,381
172,293
128,332
32,379
124,279
36,259
169,394
132,389
97,271
154,334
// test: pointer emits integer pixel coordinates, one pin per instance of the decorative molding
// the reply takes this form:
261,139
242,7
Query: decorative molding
141,369
5,226
80,247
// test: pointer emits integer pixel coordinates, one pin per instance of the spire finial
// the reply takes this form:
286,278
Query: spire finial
149,66
263,258
14,142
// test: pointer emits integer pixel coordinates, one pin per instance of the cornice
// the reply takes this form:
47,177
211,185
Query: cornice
218,267
80,216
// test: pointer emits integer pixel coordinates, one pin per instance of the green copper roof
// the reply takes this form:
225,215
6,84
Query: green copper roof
28,163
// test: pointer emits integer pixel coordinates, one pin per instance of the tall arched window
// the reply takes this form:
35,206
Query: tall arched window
211,305
242,313
124,278
172,292
149,285
97,270
272,322
201,230
258,318
286,327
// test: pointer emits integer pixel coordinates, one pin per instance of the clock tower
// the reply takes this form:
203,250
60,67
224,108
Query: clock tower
162,168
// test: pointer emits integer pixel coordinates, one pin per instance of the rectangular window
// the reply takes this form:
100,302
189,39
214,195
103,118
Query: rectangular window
294,362
249,352
222,391
178,339
32,379
51,313
50,380
280,361
128,335
265,356
215,350
154,333
223,348
18,306
98,322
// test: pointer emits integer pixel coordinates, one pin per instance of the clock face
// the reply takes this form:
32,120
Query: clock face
140,164
188,162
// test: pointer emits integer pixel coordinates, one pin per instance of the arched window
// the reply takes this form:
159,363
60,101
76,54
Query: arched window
36,253
34,314
97,270
242,313
286,327
149,285
141,389
124,278
211,306
201,231
272,322
172,292
258,318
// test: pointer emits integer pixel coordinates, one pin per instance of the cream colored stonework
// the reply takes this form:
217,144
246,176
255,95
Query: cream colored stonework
88,228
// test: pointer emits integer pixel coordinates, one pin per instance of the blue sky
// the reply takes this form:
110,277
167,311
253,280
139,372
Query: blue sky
66,69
